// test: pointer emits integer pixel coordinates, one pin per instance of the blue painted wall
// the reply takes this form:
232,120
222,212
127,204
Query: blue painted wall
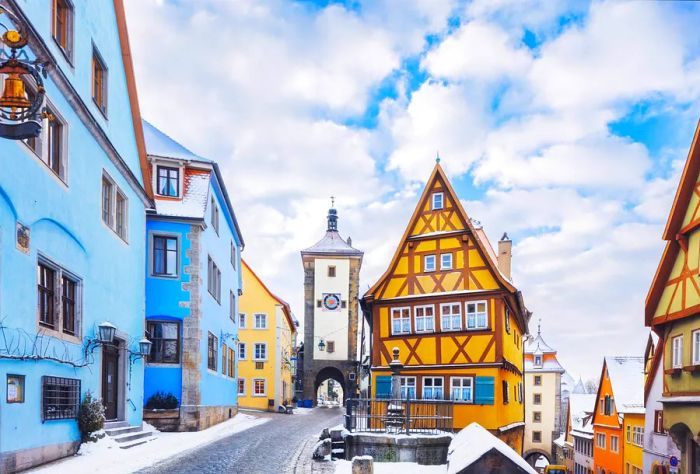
66,227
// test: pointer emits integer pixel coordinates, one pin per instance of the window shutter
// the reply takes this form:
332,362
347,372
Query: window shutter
484,391
383,389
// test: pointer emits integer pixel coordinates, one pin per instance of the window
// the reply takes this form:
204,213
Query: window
99,82
241,351
54,153
638,436
165,340
462,389
261,321
168,181
231,362
234,255
506,393
537,399
429,263
696,347
58,293
507,320
520,392
432,388
446,261
538,361
330,346
165,256
62,27
241,387
258,387
614,444
536,436
438,201
214,215
331,271
451,317
659,422
400,320
224,359
214,280
241,320
212,353
600,440
60,398
537,416
408,387
231,306
425,320
260,351
677,352
476,315
538,380
115,207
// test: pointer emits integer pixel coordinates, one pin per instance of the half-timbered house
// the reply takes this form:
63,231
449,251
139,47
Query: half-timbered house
447,303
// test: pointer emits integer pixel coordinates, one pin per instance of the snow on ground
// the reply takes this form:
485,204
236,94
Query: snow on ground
303,411
111,459
345,467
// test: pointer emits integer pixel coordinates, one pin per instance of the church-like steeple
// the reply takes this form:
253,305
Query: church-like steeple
332,220
332,242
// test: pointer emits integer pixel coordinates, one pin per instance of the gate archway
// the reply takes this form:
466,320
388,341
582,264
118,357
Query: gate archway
330,373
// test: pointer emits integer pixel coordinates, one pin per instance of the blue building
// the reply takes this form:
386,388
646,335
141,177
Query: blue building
72,236
193,282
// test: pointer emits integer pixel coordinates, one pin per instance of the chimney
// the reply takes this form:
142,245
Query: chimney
505,247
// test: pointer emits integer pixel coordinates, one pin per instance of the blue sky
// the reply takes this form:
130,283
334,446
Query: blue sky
565,124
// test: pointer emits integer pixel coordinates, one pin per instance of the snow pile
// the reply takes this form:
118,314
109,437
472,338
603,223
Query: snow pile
302,411
112,460
103,444
345,467
470,444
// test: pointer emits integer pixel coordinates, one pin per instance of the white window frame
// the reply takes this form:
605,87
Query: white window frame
478,325
538,360
424,318
443,264
238,386
462,387
677,352
405,385
242,354
433,266
243,324
255,352
696,347
600,441
214,214
256,317
403,319
434,200
433,379
264,381
450,327
507,320
614,444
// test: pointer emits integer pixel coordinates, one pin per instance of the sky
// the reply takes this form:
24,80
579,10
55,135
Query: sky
565,124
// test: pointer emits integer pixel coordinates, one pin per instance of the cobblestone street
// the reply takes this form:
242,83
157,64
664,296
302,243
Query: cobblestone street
268,448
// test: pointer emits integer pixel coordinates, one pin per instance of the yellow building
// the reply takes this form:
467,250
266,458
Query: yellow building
447,303
633,452
673,312
267,333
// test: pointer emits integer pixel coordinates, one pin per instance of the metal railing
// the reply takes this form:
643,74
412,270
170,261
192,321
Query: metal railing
398,416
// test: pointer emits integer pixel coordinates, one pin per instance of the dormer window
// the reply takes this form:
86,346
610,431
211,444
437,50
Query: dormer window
168,181
438,201
538,361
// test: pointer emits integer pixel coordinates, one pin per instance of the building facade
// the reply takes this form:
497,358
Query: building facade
267,337
193,285
72,204
579,433
331,285
672,310
447,302
619,405
543,401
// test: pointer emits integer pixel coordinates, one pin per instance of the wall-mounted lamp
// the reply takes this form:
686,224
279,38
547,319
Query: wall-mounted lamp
106,331
321,345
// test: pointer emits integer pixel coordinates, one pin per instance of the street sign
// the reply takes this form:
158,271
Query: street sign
674,461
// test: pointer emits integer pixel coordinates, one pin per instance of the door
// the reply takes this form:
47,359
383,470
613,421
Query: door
110,380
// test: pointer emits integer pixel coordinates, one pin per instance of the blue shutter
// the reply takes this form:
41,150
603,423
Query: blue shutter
383,386
484,391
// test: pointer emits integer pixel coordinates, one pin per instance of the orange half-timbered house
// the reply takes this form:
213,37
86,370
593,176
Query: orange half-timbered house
454,315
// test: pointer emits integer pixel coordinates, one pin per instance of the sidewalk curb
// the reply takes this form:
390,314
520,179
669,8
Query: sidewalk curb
297,465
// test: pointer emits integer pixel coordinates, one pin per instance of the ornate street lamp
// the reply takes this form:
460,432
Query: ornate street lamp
321,345
20,113
145,347
106,331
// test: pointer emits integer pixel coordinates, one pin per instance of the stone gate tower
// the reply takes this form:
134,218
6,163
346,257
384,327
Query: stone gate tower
331,281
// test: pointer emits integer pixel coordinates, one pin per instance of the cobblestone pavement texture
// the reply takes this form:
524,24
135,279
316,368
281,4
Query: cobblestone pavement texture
272,447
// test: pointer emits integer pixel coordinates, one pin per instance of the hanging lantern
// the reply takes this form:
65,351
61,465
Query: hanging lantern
321,345
106,332
145,347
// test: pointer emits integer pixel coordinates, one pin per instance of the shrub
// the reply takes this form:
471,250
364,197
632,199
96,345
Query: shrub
162,401
91,416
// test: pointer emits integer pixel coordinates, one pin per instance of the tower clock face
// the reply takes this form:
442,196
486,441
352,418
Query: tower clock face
331,301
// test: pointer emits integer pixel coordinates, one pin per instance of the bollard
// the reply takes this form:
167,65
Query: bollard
362,465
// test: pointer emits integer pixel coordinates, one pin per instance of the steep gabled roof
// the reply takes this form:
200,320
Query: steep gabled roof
581,408
653,367
627,379
286,309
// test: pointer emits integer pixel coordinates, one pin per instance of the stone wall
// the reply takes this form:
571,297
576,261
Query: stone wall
421,449
15,461
196,418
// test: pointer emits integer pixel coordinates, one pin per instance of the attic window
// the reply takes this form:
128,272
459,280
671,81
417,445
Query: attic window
538,361
168,181
438,201
331,270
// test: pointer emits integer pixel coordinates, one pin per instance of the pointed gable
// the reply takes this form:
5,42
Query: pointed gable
436,230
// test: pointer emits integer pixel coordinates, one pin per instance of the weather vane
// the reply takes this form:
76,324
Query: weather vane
332,201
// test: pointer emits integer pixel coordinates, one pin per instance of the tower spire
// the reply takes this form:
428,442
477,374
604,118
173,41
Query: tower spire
332,217
539,324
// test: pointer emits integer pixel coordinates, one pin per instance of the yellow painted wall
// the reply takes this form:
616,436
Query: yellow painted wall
684,382
279,339
547,409
633,454
671,300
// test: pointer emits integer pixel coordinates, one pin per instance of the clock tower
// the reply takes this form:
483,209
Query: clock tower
331,283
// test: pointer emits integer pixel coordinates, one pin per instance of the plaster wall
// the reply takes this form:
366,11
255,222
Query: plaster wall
331,325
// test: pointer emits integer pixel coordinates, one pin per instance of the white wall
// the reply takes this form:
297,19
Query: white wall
657,447
331,325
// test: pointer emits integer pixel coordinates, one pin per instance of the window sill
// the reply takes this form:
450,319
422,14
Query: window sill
163,364
165,277
55,333
673,372
66,55
102,110
693,369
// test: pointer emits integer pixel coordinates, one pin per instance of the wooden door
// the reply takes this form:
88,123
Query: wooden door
110,380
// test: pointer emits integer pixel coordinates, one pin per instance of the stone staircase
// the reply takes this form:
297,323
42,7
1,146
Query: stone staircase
127,436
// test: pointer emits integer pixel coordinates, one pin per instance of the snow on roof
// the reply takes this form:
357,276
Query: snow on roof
160,144
582,406
471,443
194,197
537,345
627,379
332,243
